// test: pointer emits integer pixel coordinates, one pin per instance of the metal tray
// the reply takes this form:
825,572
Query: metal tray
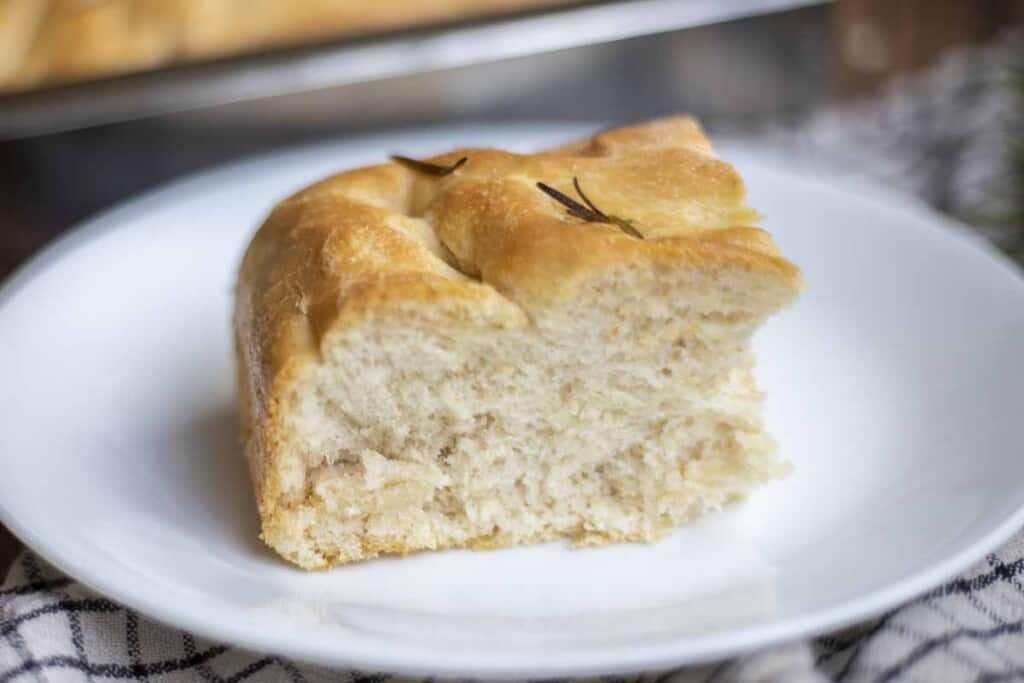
360,60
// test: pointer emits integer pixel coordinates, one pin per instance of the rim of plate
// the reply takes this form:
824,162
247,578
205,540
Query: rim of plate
381,654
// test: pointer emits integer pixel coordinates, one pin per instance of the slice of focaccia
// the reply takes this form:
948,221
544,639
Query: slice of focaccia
487,349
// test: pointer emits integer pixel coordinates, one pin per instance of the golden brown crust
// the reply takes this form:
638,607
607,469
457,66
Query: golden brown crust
65,40
20,22
481,247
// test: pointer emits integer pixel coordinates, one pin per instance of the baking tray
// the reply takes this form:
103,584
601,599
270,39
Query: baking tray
362,59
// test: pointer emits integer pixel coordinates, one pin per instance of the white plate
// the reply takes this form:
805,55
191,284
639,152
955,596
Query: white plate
895,386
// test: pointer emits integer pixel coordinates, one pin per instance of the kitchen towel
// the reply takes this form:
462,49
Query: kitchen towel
53,629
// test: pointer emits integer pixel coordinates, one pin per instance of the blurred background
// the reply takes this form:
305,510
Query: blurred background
103,99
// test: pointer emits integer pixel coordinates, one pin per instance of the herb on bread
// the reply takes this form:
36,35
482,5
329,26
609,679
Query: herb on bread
588,213
427,167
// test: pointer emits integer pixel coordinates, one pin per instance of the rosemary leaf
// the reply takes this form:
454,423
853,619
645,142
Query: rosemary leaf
574,207
587,211
427,167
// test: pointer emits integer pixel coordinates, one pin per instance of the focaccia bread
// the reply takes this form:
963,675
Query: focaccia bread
511,350
54,41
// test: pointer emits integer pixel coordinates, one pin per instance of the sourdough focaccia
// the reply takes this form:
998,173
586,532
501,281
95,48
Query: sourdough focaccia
509,350
55,41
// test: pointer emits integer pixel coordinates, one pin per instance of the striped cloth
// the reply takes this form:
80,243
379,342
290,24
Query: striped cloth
941,137
970,629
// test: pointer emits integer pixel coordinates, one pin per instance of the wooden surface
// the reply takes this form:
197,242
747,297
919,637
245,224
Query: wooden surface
874,41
